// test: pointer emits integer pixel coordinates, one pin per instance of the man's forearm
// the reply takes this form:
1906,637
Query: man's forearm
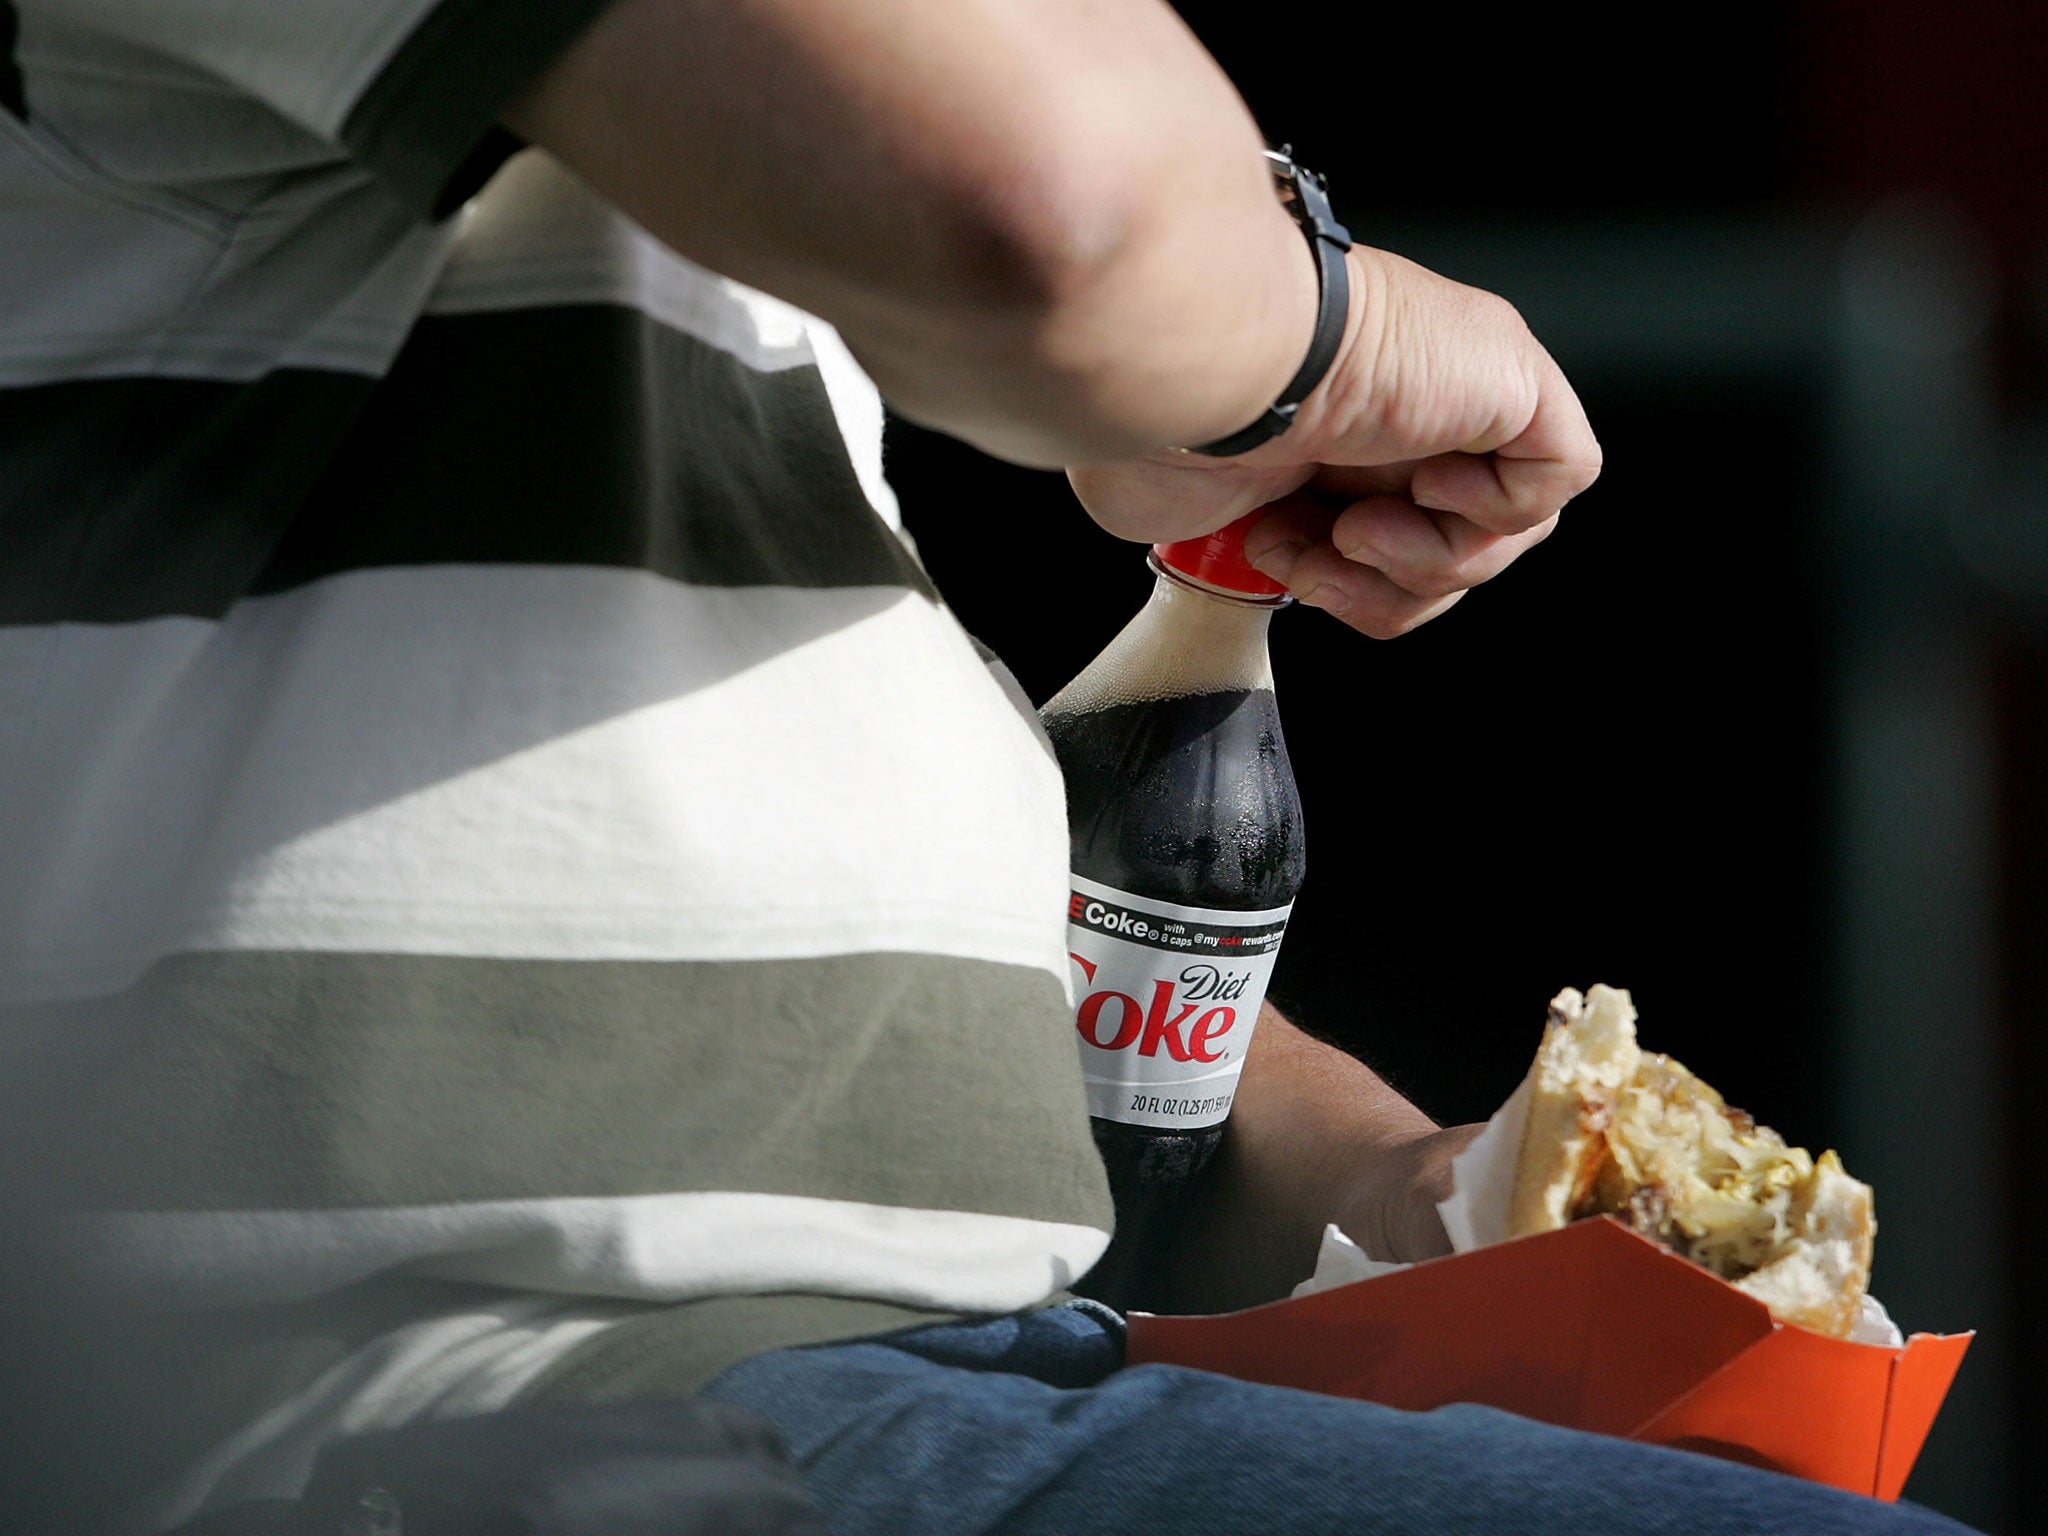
1043,225
1315,1136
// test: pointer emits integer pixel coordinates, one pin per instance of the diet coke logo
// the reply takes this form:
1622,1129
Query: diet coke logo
1116,1021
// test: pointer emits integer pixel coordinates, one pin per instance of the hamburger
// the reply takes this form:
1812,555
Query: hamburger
1614,1130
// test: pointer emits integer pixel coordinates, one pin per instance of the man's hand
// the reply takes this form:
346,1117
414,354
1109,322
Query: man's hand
1390,1210
1314,1137
1440,446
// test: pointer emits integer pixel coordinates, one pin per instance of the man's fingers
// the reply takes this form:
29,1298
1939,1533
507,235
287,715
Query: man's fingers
1431,554
1382,565
1526,480
1496,493
1368,600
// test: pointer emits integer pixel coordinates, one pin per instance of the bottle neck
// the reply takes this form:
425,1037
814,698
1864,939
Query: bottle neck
1187,639
1229,627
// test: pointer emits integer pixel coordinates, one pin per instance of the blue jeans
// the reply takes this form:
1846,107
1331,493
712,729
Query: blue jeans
1030,1425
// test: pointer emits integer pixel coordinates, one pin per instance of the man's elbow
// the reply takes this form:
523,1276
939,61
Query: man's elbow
1038,229
1021,263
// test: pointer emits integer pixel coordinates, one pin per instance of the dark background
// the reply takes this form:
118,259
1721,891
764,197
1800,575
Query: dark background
1759,734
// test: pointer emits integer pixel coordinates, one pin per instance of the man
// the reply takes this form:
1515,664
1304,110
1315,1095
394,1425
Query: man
529,895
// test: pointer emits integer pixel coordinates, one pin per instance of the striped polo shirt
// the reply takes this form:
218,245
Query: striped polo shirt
497,832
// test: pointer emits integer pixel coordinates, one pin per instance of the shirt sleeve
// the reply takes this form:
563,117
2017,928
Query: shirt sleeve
411,89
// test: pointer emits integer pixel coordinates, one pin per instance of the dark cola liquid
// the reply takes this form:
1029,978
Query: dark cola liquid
1188,800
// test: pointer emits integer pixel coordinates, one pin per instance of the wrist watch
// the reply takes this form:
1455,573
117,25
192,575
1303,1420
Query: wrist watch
1303,195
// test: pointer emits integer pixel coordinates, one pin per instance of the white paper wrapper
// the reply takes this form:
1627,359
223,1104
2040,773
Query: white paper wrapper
1476,1214
1875,1326
1483,1178
1342,1261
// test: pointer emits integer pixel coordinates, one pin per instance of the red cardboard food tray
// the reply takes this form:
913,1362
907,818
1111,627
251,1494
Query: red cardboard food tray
1593,1327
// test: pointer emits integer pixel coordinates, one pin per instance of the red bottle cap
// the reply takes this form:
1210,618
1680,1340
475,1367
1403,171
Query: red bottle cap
1217,560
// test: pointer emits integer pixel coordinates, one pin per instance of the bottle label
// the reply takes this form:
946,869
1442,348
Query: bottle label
1166,999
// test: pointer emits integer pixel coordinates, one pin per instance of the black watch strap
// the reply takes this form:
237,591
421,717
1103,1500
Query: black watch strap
1302,194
